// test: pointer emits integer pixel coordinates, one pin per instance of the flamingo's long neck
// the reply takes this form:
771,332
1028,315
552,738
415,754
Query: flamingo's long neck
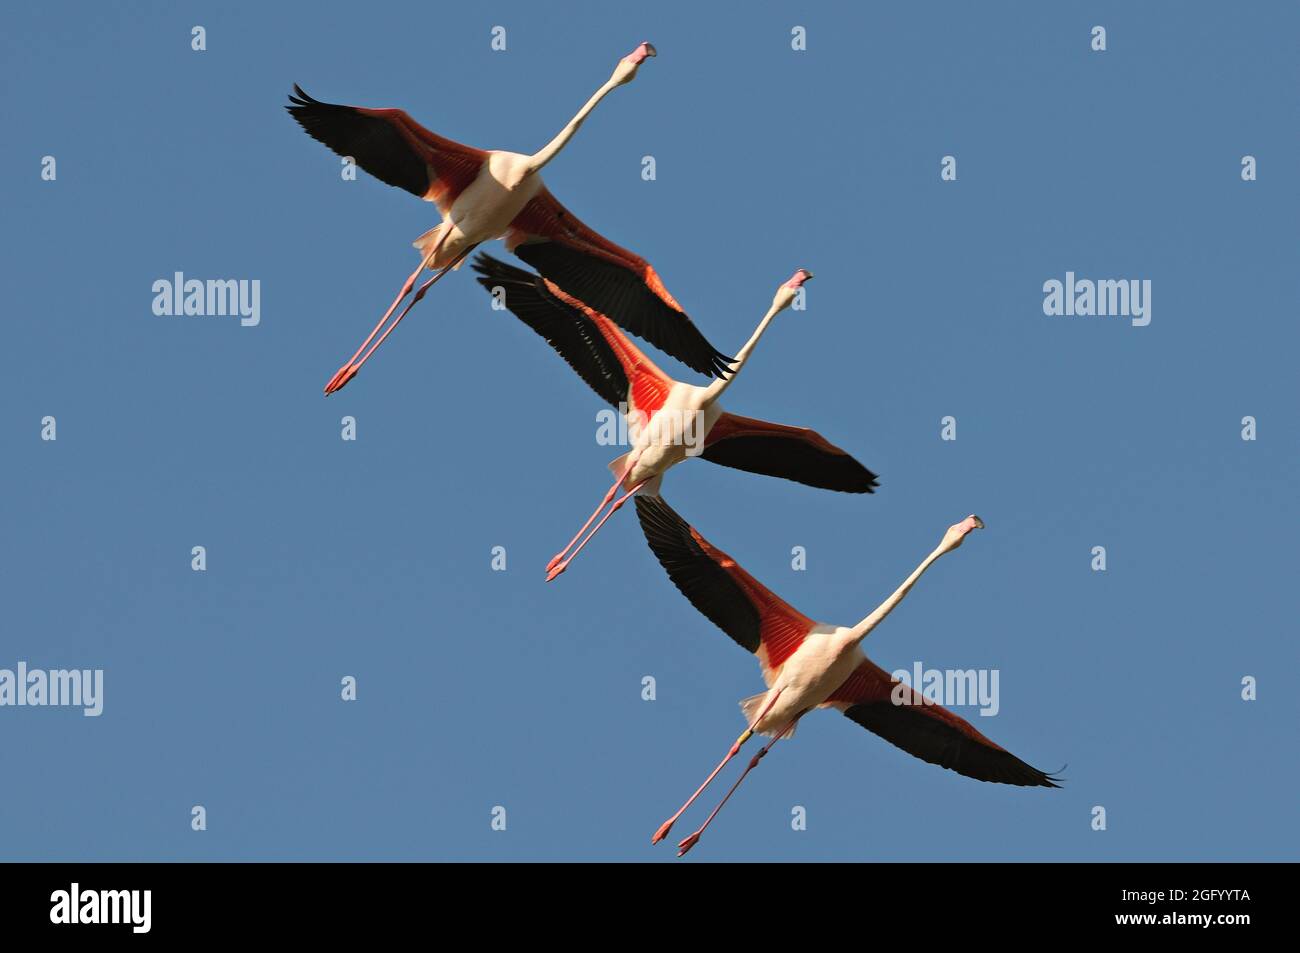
863,628
715,389
552,148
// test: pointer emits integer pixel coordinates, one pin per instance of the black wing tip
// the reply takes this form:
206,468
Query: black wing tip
1021,774
945,745
644,314
833,469
493,272
719,366
486,267
568,332
310,111
486,264
863,481
868,482
1030,777
696,575
300,99
1012,770
1050,779
707,360
304,110
1017,773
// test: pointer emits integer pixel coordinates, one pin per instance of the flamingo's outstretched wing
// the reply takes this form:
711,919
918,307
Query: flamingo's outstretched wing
573,338
732,599
611,280
392,147
928,730
791,453
591,344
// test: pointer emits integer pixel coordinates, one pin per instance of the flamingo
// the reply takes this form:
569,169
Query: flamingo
809,664
662,411
482,195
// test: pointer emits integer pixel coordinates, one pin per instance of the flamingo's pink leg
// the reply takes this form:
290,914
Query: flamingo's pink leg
631,462
735,748
563,564
349,370
689,842
334,384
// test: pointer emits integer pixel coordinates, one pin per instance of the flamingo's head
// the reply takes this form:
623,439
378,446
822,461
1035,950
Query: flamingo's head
626,69
958,532
785,294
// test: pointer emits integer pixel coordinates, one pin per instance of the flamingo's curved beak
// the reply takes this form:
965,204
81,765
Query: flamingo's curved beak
798,278
958,532
640,54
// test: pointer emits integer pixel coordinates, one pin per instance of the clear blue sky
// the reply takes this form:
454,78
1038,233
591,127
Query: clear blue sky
372,558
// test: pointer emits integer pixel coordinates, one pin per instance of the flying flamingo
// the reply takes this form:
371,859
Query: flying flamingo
809,664
483,195
663,412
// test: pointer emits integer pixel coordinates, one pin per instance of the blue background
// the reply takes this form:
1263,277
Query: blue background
481,688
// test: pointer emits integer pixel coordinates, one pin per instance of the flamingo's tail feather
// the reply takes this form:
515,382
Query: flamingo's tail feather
753,706
651,486
430,238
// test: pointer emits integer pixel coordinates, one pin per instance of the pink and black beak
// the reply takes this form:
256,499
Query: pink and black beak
641,54
798,278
